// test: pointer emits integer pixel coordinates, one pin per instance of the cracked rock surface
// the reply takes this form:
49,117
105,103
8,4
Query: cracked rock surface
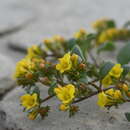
6,70
64,17
27,22
91,117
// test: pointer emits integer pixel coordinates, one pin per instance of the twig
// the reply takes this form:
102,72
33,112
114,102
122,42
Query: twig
94,85
47,98
93,94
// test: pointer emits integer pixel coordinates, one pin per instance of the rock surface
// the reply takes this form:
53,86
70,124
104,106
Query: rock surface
14,13
53,17
66,17
91,117
6,70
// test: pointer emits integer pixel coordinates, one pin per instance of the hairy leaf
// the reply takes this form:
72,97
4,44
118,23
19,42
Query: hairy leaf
126,70
127,115
71,43
109,46
77,50
123,56
105,68
51,89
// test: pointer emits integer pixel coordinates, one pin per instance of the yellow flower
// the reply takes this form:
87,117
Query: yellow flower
114,94
102,99
48,41
107,81
34,51
117,94
58,38
29,101
107,35
102,38
101,23
74,59
109,98
65,63
63,107
116,71
66,93
80,34
112,33
125,87
23,67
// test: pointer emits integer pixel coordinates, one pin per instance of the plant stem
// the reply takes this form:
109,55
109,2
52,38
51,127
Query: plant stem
93,94
47,98
94,85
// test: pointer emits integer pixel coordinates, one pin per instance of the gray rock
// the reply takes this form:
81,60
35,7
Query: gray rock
5,124
68,17
13,15
6,69
91,117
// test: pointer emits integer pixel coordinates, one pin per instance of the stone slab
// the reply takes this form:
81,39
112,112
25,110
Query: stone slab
6,70
68,17
91,117
14,13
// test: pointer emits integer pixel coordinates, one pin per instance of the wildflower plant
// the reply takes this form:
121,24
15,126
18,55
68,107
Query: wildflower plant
73,70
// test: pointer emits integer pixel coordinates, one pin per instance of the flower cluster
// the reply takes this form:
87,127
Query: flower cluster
73,71
103,24
109,98
81,34
112,34
67,62
114,73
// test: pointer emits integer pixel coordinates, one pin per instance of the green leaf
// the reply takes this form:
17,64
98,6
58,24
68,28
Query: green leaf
109,46
83,78
36,90
126,70
127,115
71,43
105,68
85,44
111,24
126,24
51,89
77,50
123,56
89,39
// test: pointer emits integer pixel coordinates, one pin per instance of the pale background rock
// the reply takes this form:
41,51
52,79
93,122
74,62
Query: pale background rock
66,17
6,70
14,13
45,18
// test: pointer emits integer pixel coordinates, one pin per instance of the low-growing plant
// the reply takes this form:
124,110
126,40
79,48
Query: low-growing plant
73,70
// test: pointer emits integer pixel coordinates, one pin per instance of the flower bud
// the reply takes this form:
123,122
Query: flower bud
74,59
45,80
58,38
82,66
29,75
43,111
125,87
47,41
63,107
32,115
42,65
74,108
128,94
